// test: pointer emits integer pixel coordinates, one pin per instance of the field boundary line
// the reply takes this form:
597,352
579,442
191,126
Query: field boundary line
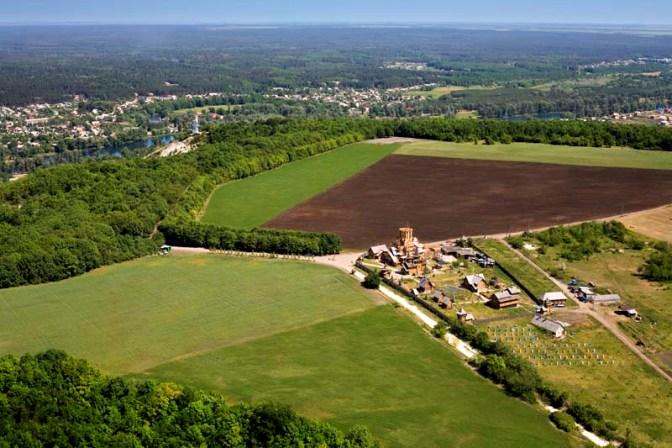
583,308
249,339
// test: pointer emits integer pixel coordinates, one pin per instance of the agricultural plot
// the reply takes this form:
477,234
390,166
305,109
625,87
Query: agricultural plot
250,202
259,329
542,153
541,350
617,271
133,316
656,224
594,367
438,92
449,198
375,368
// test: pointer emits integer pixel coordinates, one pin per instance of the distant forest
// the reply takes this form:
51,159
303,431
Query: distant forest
52,63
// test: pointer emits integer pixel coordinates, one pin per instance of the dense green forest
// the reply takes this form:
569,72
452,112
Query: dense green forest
63,221
53,400
107,62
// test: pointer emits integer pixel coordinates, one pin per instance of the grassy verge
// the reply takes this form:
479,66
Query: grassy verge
523,271
542,153
253,201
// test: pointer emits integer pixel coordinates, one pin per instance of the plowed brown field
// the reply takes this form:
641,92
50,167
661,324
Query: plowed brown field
448,198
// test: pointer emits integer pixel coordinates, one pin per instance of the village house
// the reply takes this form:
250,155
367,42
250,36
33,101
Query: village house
503,300
551,326
605,299
554,300
426,286
628,311
475,283
446,302
459,252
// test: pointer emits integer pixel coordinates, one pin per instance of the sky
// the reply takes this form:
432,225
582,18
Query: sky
640,12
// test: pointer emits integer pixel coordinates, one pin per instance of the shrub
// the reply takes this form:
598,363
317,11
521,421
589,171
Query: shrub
658,267
440,330
372,280
563,421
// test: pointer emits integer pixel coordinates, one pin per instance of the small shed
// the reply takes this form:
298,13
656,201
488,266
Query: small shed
465,317
551,326
426,286
446,302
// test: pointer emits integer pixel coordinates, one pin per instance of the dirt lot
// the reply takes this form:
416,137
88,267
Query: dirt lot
447,198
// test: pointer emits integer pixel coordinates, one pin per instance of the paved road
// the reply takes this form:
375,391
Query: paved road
609,323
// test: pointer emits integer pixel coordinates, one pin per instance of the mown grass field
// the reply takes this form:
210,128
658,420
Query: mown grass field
259,329
253,201
624,389
656,224
534,280
375,368
542,153
438,92
133,316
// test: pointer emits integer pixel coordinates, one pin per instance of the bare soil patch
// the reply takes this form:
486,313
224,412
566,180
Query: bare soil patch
392,140
449,198
655,223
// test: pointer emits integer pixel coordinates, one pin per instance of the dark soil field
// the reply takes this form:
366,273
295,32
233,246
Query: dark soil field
449,198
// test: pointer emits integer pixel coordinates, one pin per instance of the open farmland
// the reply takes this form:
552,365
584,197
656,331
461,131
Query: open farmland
132,316
258,329
655,223
542,153
374,368
250,202
447,198
595,367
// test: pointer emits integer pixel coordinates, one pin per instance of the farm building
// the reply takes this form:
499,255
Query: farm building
446,302
459,252
628,311
475,283
554,299
426,286
513,290
412,268
465,317
605,299
553,327
502,300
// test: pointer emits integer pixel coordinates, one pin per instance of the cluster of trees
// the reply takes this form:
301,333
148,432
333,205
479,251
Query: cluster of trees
52,399
658,266
63,221
574,133
196,234
582,241
623,94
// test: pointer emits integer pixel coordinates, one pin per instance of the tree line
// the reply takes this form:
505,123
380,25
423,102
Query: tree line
51,399
283,242
63,221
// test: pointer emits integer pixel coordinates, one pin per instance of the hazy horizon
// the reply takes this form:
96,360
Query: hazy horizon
346,12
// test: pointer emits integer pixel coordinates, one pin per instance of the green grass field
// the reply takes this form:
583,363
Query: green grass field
253,201
438,92
542,153
259,329
135,315
521,269
375,368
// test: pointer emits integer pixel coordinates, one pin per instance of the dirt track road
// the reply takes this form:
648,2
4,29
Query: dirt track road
607,322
